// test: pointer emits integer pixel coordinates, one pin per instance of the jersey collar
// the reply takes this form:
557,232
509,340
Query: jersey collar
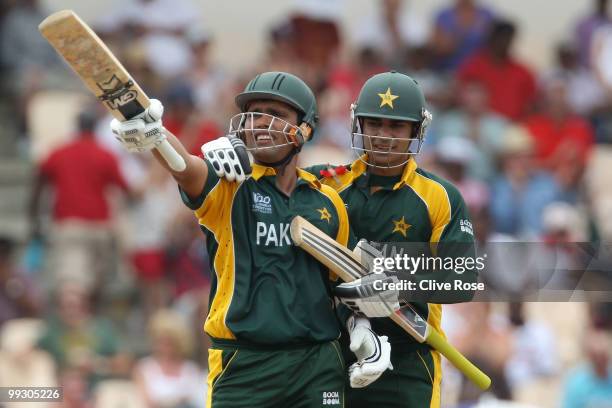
259,171
306,177
358,168
407,174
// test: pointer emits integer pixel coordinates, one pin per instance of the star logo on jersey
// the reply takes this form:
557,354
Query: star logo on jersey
401,226
387,98
325,215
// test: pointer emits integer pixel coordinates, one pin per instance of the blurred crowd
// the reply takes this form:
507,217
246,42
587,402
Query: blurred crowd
107,294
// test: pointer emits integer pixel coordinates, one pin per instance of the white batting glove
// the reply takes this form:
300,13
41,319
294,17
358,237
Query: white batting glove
222,155
370,295
367,253
373,353
142,133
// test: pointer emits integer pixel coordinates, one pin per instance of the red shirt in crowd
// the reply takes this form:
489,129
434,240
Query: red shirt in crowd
81,173
205,132
573,133
510,85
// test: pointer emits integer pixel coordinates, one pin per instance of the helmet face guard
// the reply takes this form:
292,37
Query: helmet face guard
282,87
275,132
396,151
389,96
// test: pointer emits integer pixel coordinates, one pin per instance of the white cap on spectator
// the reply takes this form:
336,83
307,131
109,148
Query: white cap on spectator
20,335
516,140
319,9
198,34
560,216
456,149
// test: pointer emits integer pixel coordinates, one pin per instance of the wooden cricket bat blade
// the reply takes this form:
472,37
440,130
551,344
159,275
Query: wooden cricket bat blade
101,72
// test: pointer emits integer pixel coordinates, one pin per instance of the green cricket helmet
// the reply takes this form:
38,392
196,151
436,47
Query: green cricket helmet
287,88
390,95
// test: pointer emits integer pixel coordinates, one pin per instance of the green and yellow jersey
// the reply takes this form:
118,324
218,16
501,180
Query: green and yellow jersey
414,207
265,291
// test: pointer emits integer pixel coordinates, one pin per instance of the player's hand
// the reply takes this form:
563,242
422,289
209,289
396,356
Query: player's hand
373,353
373,295
221,153
142,133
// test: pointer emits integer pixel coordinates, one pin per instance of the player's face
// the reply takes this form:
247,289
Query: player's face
267,129
387,141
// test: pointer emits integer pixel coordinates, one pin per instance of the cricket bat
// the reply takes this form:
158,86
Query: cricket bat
347,266
101,72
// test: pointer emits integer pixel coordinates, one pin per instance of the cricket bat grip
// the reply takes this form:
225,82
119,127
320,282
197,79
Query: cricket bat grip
435,340
174,160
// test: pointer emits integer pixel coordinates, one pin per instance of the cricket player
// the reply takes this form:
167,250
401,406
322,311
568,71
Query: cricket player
271,318
390,199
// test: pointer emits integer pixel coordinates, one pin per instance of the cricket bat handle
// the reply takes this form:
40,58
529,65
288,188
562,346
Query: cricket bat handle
171,156
435,340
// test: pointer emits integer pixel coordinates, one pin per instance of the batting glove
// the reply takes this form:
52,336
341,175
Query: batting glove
373,353
371,295
222,154
142,133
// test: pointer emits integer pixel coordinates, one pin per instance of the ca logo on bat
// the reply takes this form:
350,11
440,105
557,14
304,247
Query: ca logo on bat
115,93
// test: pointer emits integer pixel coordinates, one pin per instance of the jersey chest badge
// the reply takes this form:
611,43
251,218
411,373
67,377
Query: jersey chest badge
400,226
261,203
325,215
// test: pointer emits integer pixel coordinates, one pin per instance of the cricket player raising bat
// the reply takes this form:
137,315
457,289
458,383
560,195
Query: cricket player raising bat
271,319
390,199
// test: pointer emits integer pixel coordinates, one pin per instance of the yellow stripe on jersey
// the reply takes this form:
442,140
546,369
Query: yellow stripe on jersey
438,204
216,215
343,221
215,364
434,317
310,178
437,380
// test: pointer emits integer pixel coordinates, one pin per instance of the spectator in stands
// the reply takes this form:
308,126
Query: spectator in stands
317,39
521,192
465,319
601,63
590,384
350,76
206,79
75,389
600,315
79,340
153,201
391,28
598,17
161,24
81,174
560,135
459,31
584,93
167,378
22,364
534,351
191,126
28,64
474,121
454,155
509,83
418,63
18,294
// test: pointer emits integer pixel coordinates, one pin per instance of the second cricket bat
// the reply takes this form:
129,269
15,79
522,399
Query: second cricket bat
346,265
103,74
